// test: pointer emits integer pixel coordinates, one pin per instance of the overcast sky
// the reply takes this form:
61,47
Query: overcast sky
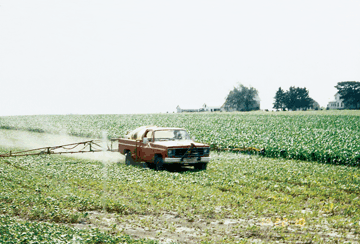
120,57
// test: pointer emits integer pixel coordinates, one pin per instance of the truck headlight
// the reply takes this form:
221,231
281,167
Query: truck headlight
206,150
171,152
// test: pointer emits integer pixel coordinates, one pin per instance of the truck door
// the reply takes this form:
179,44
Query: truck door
144,149
138,149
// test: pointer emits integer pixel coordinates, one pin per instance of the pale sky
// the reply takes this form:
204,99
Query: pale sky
120,57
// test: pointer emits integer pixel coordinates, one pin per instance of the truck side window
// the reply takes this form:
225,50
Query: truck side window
149,135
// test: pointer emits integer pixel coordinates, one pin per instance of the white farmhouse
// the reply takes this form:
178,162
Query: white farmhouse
337,104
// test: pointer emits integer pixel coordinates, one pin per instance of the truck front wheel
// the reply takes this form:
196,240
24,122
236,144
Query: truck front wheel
159,163
200,166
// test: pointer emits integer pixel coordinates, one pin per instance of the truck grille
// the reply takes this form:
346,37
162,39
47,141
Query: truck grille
194,152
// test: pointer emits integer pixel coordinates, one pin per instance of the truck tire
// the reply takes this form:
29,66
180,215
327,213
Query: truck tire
128,158
159,163
200,166
174,167
150,165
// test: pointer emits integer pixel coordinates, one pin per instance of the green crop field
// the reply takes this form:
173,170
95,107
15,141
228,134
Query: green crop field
322,136
241,198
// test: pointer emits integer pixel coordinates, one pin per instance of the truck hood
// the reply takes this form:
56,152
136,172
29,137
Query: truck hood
186,143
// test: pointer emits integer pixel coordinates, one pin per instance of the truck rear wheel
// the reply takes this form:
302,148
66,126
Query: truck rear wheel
159,163
128,158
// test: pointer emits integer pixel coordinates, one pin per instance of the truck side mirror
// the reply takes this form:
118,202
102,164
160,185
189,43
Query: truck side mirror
145,140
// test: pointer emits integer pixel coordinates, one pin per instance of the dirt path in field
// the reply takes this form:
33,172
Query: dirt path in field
169,227
23,140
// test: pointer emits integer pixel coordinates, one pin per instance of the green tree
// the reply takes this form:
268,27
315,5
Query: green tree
303,98
279,99
297,98
290,98
350,92
242,98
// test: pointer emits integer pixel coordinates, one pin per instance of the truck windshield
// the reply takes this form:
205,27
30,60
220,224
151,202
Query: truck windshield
174,135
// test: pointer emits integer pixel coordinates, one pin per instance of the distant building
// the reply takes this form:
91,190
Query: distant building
204,108
211,108
181,110
314,105
337,104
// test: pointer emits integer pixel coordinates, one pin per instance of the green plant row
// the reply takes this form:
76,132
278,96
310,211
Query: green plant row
310,197
14,231
313,136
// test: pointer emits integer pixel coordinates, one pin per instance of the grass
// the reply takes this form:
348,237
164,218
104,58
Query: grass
269,199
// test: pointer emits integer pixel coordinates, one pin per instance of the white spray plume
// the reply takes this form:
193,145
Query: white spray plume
30,140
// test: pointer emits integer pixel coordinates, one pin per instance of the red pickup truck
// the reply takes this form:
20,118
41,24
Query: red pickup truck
160,146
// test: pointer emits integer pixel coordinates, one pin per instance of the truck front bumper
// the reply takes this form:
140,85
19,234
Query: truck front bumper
187,160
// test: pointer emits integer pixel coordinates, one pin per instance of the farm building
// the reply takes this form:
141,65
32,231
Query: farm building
337,104
181,110
207,108
204,108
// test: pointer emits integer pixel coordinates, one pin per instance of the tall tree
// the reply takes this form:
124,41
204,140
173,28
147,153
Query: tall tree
350,92
297,98
290,98
279,99
242,98
303,98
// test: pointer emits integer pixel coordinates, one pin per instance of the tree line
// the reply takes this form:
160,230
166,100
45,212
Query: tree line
242,98
293,99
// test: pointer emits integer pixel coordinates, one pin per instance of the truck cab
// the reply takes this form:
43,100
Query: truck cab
162,146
